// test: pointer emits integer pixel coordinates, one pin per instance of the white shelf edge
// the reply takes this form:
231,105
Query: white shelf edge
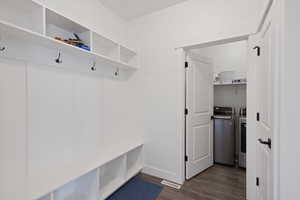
230,83
106,38
129,49
63,46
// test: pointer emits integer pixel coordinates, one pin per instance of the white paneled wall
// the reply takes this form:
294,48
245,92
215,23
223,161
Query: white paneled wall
59,126
13,139
52,132
65,125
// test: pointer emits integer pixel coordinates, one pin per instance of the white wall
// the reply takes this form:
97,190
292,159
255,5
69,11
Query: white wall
162,75
289,133
227,57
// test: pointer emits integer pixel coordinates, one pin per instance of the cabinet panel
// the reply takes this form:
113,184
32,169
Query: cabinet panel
88,98
52,128
12,130
65,127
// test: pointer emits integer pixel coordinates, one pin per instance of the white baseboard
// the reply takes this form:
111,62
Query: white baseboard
163,174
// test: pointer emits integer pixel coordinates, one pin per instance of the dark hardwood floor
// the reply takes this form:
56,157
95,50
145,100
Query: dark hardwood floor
216,183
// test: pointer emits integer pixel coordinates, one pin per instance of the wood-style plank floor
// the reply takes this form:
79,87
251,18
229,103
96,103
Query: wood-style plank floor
216,183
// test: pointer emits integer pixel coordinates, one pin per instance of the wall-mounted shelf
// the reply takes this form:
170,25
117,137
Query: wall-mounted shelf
128,56
49,25
58,26
106,47
29,14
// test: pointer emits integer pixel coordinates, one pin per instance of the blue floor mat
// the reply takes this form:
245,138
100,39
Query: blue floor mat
137,189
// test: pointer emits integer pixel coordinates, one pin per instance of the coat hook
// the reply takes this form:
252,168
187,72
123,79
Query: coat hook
93,68
58,59
2,48
117,72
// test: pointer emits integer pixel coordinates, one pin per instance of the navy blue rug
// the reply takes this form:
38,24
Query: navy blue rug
137,189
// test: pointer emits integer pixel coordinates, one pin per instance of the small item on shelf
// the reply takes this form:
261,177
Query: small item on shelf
243,80
75,42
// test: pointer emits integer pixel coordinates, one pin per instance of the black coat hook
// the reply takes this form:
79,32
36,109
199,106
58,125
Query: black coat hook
58,60
93,68
2,48
117,72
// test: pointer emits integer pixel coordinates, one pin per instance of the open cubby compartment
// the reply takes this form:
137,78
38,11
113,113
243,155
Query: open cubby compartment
84,187
128,56
25,14
112,176
61,27
134,162
105,47
46,197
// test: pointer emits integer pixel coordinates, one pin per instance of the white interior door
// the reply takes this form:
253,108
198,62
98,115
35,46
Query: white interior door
199,126
266,65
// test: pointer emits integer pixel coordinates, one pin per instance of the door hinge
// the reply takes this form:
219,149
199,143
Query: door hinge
186,112
257,117
186,158
186,64
257,48
257,181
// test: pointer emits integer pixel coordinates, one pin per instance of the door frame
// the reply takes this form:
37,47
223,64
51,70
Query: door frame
251,156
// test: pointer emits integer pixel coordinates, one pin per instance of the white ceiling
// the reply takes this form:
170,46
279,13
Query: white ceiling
130,9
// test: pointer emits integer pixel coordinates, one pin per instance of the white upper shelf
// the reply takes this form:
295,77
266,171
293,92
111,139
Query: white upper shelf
67,28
